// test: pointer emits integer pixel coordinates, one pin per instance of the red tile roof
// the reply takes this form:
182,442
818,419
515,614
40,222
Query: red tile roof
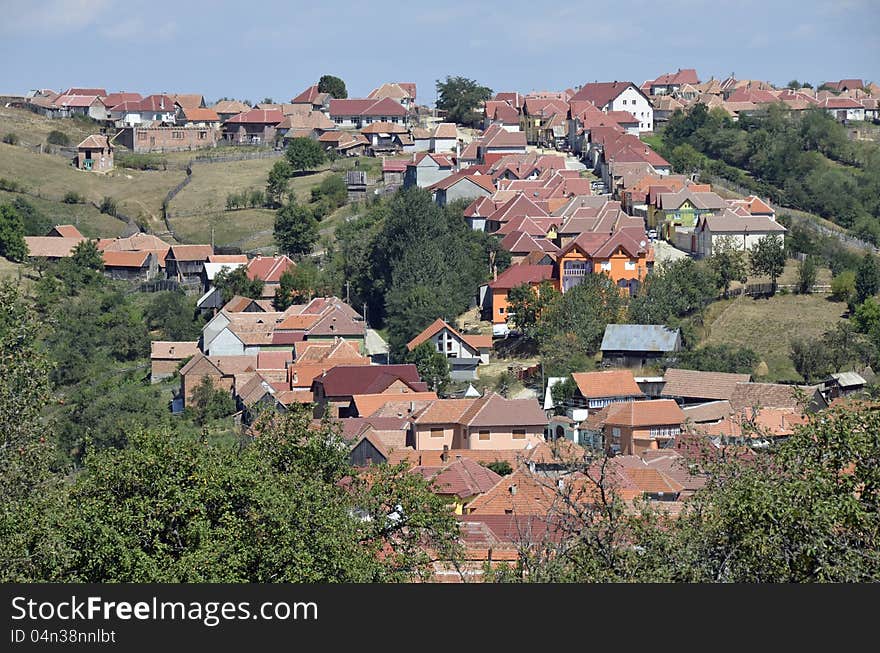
366,107
601,93
347,380
462,477
477,342
517,275
269,268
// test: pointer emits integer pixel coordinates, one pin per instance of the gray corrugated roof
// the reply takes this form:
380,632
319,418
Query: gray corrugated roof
848,379
639,337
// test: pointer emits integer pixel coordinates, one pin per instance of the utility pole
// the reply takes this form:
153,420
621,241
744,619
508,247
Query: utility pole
347,292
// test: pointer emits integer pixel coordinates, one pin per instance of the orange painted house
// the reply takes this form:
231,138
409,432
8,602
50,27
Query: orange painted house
515,275
620,256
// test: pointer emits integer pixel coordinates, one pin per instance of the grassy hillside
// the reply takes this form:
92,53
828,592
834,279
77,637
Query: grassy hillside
139,194
32,129
768,326
89,220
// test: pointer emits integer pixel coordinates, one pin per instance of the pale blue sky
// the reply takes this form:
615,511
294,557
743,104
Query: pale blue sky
255,48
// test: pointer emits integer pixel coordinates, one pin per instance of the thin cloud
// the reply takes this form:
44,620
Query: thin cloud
53,16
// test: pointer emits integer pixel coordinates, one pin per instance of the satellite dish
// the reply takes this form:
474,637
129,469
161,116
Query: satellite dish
642,243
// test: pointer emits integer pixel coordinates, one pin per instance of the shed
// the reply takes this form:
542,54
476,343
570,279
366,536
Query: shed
633,345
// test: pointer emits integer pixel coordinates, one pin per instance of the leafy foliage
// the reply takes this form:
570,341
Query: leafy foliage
12,243
173,314
767,256
728,263
235,281
460,98
718,358
208,403
56,137
332,85
296,229
300,284
527,304
433,366
304,154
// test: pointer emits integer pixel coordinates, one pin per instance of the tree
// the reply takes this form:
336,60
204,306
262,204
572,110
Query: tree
28,488
299,284
460,98
867,279
582,311
332,85
527,303
767,257
86,255
685,159
296,229
433,366
727,263
807,271
718,358
108,206
209,403
810,358
277,183
12,243
673,290
172,313
304,154
56,137
235,281
846,346
843,286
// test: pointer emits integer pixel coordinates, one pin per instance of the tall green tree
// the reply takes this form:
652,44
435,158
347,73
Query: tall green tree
86,255
807,272
30,546
583,311
727,263
332,85
12,243
527,303
433,366
296,229
300,284
460,98
767,257
867,279
208,402
277,185
235,281
174,315
304,154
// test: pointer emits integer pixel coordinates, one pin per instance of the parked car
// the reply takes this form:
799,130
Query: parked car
652,234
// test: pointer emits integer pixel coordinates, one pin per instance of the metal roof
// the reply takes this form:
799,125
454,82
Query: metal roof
639,337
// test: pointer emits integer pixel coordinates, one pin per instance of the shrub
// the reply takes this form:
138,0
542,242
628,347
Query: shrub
56,137
72,197
10,185
11,139
108,206
141,161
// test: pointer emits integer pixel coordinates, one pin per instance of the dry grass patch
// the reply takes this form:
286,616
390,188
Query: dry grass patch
768,326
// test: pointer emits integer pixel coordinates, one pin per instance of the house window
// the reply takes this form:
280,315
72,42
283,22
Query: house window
615,432
501,310
177,135
484,434
519,434
436,433
630,265
665,432
203,136
606,266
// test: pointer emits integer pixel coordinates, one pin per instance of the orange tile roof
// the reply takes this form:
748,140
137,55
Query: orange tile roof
174,350
610,383
116,259
67,231
645,413
368,404
444,411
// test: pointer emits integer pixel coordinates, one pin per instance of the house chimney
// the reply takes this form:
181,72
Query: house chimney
512,489
458,456
412,406
445,455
